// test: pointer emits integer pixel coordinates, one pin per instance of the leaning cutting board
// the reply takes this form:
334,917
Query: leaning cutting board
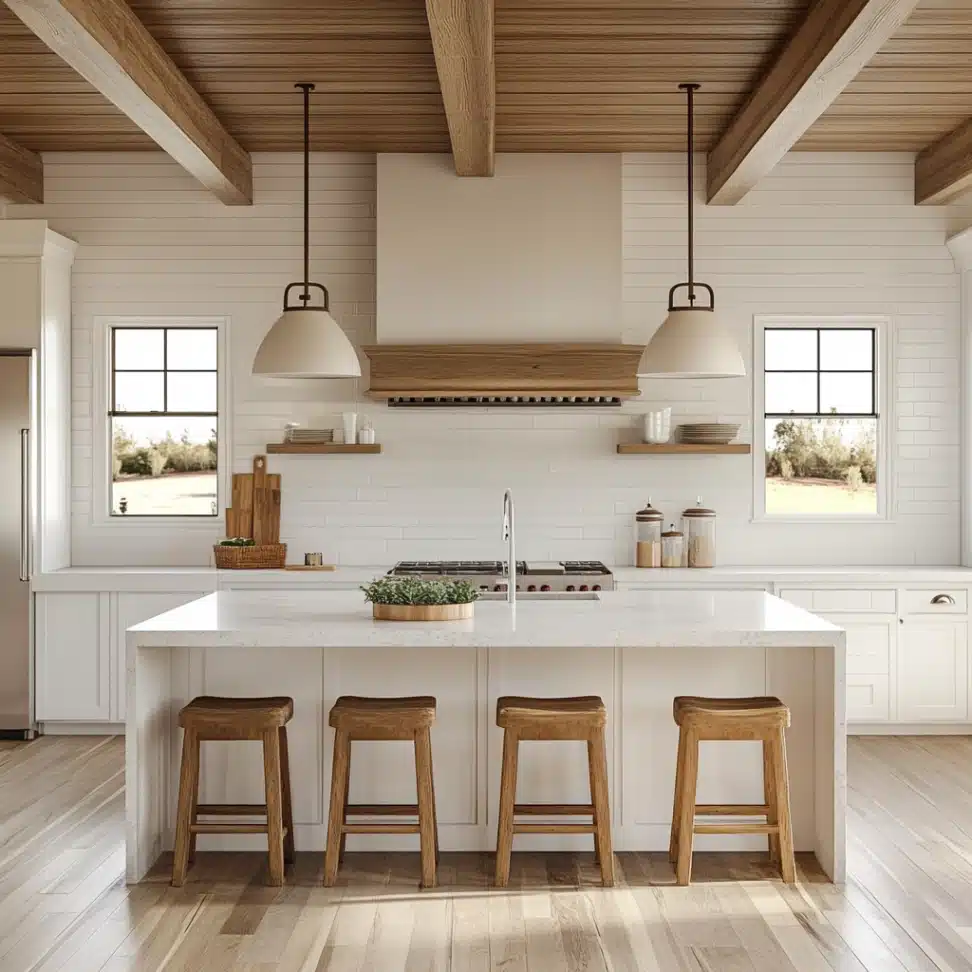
255,511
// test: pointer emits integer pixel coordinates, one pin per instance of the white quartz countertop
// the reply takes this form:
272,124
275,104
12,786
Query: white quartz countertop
625,619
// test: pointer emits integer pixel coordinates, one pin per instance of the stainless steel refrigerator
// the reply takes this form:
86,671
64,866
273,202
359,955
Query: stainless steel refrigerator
16,526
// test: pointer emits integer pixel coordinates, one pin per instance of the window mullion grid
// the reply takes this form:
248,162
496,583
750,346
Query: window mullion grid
818,369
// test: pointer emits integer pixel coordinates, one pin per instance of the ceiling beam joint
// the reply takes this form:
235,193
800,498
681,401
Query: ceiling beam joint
463,44
21,173
110,48
826,52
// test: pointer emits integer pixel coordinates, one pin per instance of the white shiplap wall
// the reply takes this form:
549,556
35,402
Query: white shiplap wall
822,234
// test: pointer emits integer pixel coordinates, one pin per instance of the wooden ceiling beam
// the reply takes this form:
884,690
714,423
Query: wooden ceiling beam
463,43
21,173
943,170
109,46
828,49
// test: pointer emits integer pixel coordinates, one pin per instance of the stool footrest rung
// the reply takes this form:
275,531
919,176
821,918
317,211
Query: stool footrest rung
232,809
739,828
229,828
380,828
530,828
381,810
730,809
554,809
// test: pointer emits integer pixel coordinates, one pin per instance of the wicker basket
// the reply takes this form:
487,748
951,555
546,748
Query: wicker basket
264,556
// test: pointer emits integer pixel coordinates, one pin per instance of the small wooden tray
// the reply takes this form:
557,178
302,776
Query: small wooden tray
421,612
307,567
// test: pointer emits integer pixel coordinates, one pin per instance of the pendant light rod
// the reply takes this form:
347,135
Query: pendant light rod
307,87
690,88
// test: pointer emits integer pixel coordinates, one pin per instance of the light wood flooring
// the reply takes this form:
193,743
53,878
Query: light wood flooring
907,906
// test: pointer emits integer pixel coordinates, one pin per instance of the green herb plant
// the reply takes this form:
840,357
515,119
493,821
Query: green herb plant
411,590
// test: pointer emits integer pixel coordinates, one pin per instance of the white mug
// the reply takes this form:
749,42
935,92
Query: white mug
658,426
350,421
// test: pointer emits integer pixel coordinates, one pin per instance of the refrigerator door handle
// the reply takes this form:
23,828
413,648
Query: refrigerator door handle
25,504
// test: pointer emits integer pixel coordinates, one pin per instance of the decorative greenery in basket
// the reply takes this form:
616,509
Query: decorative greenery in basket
411,599
238,542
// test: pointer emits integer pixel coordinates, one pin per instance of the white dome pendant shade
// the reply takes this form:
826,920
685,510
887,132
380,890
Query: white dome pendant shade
305,341
691,342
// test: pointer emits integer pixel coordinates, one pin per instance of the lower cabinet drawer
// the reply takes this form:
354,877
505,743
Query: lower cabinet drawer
936,601
855,601
868,698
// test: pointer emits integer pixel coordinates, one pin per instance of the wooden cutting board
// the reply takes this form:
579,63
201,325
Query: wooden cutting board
255,512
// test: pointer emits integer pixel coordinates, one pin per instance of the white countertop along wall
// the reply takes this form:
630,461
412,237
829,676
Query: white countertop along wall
822,234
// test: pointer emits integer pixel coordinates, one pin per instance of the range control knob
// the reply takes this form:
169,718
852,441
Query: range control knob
544,587
532,587
499,587
570,587
596,587
584,587
484,587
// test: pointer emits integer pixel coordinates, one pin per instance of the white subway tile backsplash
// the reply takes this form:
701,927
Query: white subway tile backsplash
823,234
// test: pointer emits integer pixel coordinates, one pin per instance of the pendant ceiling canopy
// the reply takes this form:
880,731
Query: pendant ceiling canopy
691,342
305,341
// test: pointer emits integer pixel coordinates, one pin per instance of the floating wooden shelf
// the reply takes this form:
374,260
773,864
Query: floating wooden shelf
322,448
682,448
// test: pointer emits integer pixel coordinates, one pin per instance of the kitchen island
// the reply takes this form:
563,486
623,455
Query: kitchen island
636,649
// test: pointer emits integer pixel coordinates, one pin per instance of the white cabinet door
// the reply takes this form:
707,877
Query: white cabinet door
870,652
933,679
72,637
133,608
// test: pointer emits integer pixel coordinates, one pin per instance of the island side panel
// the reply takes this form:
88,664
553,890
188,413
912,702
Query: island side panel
551,771
232,772
830,766
729,772
147,731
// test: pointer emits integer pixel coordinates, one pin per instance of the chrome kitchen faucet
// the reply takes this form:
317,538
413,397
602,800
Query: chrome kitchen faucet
509,536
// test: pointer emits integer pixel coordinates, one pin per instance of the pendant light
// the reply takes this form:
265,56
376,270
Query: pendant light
691,342
305,341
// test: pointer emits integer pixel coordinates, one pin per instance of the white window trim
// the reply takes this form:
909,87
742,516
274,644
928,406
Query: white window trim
885,427
101,425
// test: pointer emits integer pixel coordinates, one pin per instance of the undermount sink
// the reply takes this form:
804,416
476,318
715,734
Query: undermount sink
542,596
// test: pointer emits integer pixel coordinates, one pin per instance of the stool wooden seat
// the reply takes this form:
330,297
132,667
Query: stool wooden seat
762,718
210,718
404,719
582,718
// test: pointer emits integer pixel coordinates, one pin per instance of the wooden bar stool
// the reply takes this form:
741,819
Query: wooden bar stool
581,718
762,718
408,720
208,718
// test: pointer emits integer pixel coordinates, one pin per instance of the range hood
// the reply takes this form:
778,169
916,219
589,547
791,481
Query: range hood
523,375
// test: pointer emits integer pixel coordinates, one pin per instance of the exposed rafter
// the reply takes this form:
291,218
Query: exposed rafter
943,171
834,41
107,45
462,39
21,173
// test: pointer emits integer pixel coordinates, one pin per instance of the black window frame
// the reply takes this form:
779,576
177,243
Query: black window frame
115,413
872,371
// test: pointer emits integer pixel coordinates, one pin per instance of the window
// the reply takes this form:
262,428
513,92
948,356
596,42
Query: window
163,412
822,444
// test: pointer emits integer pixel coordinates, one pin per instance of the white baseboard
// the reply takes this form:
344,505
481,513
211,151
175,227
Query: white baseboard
910,729
81,728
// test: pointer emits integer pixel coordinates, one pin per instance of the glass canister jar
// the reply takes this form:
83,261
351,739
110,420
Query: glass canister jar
699,525
672,547
648,545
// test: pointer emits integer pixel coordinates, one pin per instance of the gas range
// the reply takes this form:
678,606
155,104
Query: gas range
490,575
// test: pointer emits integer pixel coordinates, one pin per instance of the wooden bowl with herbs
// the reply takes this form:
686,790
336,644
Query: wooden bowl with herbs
411,599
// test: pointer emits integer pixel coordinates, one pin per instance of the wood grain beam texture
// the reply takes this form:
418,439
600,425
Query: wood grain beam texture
109,46
943,171
21,173
463,44
831,45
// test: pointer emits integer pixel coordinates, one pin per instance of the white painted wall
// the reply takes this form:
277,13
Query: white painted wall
822,234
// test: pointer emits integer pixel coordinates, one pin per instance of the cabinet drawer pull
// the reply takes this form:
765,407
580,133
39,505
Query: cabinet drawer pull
943,599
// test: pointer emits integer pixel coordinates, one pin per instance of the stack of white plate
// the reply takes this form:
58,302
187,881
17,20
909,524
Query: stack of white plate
309,435
708,433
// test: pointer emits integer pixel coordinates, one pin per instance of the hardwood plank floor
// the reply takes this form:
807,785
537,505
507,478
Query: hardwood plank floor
907,907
